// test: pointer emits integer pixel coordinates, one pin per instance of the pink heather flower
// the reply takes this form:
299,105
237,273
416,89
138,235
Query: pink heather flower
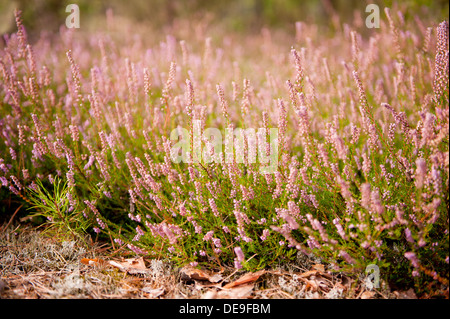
399,216
413,259
366,167
16,182
355,131
89,163
313,200
289,219
282,123
198,228
118,241
216,242
408,235
346,257
323,154
92,207
436,179
222,100
376,204
96,230
264,234
37,125
136,250
225,229
298,68
70,177
33,186
208,236
103,168
101,223
13,153
421,172
246,96
213,206
313,243
261,221
75,133
239,254
365,245
5,182
170,235
339,228
26,174
132,196
136,217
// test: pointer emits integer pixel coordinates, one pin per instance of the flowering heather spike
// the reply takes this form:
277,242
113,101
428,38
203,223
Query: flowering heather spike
246,97
441,61
189,98
421,172
31,61
408,235
239,254
37,125
362,94
394,31
281,124
76,77
299,75
411,256
21,33
355,48
170,79
347,257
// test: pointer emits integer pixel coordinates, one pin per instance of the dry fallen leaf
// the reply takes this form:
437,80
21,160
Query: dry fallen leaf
309,273
318,267
191,273
153,292
131,265
92,261
408,294
247,278
368,295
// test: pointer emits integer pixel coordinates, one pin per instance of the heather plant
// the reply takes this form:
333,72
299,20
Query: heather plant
90,126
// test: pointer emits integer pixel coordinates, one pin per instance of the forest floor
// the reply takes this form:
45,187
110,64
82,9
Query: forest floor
38,266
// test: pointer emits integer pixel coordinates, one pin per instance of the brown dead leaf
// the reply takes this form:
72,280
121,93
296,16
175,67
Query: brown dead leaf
153,292
368,294
131,265
338,285
408,294
318,267
309,273
247,278
191,273
93,261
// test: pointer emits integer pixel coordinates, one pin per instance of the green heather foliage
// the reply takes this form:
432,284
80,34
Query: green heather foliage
363,162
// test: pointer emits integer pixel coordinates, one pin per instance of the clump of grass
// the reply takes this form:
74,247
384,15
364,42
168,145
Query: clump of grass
362,162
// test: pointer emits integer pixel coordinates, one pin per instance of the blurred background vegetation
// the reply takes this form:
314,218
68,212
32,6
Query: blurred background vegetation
236,15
